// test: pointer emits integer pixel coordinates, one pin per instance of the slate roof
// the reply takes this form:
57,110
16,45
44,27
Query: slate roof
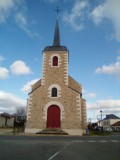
6,115
111,116
55,48
56,42
76,86
116,124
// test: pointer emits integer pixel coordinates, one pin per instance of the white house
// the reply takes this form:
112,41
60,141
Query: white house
6,120
109,120
116,126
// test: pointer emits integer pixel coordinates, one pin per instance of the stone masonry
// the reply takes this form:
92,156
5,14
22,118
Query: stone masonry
69,98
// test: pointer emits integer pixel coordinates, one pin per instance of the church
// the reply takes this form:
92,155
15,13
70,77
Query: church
55,101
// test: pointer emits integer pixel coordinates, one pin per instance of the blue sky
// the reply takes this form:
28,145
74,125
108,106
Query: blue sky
91,31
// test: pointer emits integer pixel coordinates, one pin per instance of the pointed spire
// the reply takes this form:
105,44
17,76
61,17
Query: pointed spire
56,41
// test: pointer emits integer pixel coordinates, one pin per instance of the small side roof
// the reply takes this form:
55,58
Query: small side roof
36,85
6,115
73,84
116,124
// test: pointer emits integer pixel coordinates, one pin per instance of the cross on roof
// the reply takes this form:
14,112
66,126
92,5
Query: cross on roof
57,10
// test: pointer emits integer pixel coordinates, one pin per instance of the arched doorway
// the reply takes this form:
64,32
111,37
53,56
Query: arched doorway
53,117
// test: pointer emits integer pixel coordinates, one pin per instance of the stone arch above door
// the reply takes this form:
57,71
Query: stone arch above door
53,103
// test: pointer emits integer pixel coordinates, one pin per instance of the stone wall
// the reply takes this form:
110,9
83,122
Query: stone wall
59,74
83,113
72,106
71,114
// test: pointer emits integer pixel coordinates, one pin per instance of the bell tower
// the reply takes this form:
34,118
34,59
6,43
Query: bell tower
55,100
55,61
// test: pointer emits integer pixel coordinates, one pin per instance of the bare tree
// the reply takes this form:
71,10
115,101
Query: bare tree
20,116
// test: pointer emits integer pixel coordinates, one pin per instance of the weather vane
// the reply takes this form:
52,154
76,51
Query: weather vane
57,10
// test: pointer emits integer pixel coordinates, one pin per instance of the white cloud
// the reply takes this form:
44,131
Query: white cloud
20,68
5,7
89,94
10,7
113,68
3,73
91,106
9,102
76,17
27,87
107,106
109,103
109,10
118,58
22,21
1,58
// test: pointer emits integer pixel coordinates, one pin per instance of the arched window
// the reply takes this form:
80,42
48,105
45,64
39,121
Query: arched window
54,92
55,61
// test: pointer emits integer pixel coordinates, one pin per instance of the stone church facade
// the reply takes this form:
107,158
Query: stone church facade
55,101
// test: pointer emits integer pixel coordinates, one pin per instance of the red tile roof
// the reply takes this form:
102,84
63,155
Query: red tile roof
116,124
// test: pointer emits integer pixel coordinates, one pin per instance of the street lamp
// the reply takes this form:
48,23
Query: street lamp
101,116
90,123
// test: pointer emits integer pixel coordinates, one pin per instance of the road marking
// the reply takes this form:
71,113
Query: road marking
78,141
103,141
54,155
91,141
114,141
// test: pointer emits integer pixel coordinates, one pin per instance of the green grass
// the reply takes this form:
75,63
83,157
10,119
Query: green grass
100,133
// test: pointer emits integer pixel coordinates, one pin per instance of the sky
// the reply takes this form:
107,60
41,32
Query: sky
90,29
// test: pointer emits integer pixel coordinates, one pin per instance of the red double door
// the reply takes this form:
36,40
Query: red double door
53,117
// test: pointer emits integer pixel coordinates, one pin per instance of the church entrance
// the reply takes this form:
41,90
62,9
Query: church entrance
53,117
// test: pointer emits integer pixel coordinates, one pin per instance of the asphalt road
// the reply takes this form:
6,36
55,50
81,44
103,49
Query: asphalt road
59,148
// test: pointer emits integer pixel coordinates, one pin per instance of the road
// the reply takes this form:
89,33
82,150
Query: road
59,148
